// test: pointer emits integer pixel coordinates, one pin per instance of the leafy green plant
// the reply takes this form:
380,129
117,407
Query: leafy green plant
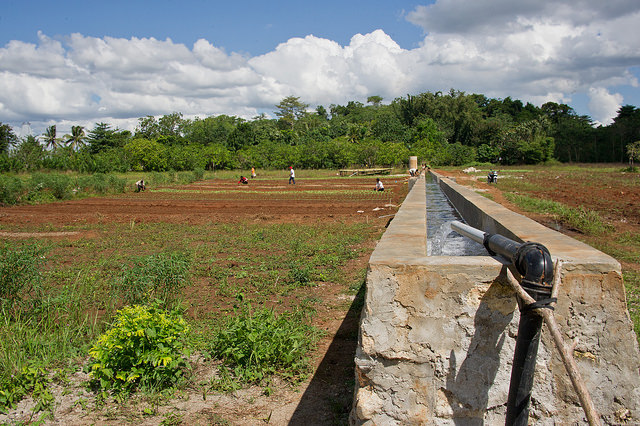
158,276
300,273
146,346
20,276
33,381
259,344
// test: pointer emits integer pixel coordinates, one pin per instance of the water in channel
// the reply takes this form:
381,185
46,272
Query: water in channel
441,240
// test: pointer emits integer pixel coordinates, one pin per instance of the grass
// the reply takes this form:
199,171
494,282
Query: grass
210,270
583,220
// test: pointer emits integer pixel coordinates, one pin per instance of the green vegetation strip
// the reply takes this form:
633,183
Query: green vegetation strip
586,221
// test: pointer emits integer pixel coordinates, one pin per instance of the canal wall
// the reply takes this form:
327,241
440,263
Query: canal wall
437,333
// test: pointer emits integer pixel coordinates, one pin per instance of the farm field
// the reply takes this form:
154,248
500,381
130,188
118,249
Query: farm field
596,204
299,249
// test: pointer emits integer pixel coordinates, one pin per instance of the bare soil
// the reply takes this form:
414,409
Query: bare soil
325,398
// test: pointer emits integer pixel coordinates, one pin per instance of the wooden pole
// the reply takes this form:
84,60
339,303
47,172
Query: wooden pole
565,353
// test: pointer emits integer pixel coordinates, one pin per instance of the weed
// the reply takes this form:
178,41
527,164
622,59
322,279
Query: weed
20,277
146,346
300,273
172,418
33,381
159,276
258,344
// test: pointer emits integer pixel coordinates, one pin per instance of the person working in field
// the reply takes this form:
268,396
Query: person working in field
379,185
140,186
243,180
292,176
253,173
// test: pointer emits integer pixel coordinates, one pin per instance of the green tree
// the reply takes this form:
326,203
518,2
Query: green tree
7,138
211,130
291,109
633,151
29,153
146,155
374,100
50,137
322,112
102,137
148,128
76,139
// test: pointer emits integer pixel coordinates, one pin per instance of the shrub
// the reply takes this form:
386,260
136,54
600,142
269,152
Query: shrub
146,347
158,276
260,344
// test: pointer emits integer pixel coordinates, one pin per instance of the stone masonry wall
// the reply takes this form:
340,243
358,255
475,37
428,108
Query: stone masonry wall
437,333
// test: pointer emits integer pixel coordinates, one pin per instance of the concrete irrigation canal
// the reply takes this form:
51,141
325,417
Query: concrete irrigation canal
438,332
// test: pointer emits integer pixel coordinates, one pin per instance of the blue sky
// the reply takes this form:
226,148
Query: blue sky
241,26
81,62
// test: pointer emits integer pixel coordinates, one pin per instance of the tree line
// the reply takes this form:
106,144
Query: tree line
441,129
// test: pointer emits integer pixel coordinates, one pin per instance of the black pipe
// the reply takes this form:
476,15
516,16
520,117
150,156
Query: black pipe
533,262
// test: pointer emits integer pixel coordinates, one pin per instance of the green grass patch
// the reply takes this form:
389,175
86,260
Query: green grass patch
583,220
258,344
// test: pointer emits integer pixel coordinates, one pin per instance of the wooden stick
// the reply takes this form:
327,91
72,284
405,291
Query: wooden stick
567,357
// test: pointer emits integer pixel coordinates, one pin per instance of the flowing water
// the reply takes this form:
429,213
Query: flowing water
441,240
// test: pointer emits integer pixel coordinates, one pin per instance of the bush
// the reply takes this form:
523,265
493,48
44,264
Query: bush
260,344
146,347
158,276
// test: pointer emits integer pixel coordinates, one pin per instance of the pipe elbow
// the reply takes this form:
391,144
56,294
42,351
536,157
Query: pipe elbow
533,261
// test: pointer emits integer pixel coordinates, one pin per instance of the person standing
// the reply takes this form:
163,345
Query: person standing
253,172
292,176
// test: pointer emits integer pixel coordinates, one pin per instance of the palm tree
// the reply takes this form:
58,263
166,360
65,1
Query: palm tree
76,138
50,138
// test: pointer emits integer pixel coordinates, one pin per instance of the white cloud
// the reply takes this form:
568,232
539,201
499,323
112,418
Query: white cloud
534,50
604,105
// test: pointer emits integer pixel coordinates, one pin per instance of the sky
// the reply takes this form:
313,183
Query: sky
69,62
